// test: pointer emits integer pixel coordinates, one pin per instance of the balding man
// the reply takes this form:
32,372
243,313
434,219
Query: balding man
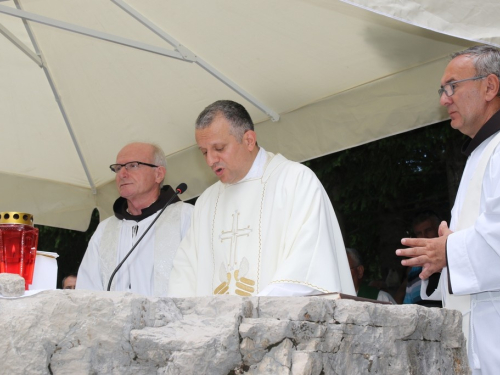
140,170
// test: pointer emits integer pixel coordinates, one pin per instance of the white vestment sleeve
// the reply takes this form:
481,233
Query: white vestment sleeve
184,272
89,275
314,252
474,253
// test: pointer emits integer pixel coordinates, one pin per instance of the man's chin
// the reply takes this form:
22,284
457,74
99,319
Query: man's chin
456,123
224,179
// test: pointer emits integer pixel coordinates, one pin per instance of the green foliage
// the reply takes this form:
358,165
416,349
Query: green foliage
378,187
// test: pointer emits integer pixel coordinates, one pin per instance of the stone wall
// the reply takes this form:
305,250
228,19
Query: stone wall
79,332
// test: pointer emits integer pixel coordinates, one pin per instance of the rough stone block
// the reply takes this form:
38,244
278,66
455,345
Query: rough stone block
11,285
314,309
306,363
79,332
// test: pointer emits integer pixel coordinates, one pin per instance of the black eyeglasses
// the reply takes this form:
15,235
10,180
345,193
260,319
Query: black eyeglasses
130,166
449,88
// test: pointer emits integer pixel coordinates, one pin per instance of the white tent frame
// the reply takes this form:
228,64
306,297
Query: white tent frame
181,53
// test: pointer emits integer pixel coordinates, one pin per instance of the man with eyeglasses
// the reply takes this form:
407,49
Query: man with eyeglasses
140,170
468,251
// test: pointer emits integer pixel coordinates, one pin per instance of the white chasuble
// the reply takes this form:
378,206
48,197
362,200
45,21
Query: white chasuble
276,226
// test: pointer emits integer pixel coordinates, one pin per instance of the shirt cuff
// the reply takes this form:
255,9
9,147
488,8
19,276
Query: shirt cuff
461,276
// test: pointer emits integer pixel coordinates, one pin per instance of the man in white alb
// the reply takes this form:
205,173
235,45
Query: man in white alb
266,228
140,170
469,252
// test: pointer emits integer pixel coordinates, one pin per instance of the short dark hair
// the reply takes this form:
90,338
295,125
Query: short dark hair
74,274
233,112
425,215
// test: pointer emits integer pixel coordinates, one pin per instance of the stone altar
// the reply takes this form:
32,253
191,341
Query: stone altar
80,332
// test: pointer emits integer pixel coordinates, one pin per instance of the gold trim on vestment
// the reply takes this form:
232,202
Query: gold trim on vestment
302,283
213,228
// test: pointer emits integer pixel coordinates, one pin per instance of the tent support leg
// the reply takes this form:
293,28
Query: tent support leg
60,105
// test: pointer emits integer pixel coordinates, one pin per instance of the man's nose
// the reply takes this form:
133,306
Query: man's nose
211,158
445,99
122,173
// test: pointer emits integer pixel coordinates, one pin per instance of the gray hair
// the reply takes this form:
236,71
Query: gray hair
235,113
159,159
355,256
486,60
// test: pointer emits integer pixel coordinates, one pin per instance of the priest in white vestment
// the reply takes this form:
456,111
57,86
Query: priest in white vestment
140,170
266,228
469,251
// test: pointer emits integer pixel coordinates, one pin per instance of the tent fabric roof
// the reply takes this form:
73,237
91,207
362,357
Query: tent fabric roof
335,74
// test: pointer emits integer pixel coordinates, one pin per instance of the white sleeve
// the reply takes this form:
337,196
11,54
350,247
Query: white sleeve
473,254
315,252
89,275
183,276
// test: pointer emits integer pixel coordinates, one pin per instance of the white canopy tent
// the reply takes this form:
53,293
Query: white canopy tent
79,79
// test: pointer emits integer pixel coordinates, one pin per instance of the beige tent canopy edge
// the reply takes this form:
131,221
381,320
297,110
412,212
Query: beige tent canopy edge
338,122
439,17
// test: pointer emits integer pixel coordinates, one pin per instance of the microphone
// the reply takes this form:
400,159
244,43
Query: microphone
178,190
181,188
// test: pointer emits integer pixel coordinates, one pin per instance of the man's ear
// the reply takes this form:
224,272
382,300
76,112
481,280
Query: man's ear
492,87
360,271
250,139
160,174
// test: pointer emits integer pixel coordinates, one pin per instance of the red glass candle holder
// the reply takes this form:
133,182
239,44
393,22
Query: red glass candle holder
18,244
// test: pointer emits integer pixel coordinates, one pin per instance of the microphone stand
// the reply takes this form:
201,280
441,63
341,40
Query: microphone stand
178,190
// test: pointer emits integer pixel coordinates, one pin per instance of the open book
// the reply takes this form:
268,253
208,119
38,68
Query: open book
348,296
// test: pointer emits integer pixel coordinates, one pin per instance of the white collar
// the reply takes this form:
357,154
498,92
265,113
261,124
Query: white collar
258,165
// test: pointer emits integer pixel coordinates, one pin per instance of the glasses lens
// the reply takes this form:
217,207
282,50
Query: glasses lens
448,89
132,165
115,167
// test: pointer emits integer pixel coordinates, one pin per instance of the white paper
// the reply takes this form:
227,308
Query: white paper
45,273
